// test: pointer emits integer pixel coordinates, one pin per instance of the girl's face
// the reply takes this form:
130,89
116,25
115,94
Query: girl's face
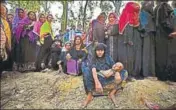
111,18
78,41
32,16
42,18
21,13
100,53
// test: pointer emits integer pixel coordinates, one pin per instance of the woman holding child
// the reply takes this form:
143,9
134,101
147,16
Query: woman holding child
97,77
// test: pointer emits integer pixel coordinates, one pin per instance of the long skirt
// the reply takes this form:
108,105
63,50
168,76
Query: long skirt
24,55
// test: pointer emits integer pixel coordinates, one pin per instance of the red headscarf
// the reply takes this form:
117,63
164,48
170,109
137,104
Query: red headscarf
116,19
130,15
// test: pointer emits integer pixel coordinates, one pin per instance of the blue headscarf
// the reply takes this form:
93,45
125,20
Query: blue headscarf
143,18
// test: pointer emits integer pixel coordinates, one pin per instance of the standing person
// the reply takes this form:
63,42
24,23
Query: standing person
171,64
6,32
112,35
36,31
46,39
89,35
163,26
148,33
99,28
129,40
16,48
10,20
76,57
26,40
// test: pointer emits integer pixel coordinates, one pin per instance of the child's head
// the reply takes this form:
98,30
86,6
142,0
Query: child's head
118,66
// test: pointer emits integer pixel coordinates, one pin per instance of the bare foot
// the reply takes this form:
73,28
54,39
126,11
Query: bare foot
88,100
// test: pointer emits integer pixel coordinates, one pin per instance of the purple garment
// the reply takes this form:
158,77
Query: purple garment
20,31
72,67
16,20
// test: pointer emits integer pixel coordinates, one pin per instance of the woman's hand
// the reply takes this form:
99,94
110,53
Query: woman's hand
98,87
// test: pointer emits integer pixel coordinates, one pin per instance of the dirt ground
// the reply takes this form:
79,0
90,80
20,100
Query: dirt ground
52,90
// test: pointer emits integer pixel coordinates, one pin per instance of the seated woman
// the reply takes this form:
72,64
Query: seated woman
54,56
76,56
63,60
94,81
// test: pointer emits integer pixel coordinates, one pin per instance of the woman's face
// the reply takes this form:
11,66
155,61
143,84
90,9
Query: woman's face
42,18
50,18
78,41
100,53
32,16
3,10
21,13
102,18
10,18
111,18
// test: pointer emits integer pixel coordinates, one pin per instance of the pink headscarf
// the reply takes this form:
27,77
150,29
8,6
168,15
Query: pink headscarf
116,19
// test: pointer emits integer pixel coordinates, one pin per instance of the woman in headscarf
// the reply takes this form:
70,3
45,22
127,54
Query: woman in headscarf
46,39
36,31
7,64
26,39
163,28
99,28
76,57
89,35
147,33
112,35
171,51
92,80
19,15
129,40
16,48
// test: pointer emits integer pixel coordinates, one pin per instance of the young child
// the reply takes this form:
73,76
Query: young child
118,72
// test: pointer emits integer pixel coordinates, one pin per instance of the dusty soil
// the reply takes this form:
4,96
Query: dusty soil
54,90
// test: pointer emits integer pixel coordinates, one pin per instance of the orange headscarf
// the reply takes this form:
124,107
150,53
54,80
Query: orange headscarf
130,15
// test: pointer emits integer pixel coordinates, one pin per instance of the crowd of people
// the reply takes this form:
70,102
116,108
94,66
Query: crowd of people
139,42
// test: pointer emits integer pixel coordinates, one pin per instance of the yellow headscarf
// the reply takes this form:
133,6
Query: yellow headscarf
45,29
